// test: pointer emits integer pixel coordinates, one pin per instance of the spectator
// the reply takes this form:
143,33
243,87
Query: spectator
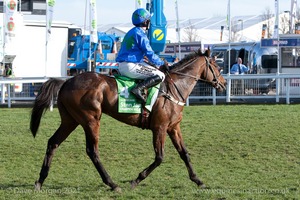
239,67
7,70
238,85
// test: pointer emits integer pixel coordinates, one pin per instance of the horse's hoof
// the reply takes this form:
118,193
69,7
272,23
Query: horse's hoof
117,189
37,186
203,186
133,184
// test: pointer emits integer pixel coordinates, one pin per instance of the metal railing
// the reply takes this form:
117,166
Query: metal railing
18,90
251,86
239,87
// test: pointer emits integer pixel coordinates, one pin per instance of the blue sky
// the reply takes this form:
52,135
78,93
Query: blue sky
119,11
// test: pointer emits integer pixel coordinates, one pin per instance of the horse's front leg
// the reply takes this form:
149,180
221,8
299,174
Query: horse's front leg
159,138
177,140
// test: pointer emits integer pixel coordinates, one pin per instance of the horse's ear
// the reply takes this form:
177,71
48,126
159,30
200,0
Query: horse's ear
199,52
207,52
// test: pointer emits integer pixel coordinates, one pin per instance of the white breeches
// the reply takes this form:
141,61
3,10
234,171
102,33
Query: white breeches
139,70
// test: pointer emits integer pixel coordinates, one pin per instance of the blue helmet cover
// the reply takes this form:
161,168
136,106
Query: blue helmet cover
139,16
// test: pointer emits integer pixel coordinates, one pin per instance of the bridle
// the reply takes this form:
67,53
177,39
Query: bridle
215,82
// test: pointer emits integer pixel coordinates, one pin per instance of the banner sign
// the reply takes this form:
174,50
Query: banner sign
10,24
184,48
93,22
288,42
50,5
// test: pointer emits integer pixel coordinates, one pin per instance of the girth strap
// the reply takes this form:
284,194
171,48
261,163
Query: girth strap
166,95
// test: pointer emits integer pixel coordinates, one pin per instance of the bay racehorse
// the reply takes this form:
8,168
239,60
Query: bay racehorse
83,99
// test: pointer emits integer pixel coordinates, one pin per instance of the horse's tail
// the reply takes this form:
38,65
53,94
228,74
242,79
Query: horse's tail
43,101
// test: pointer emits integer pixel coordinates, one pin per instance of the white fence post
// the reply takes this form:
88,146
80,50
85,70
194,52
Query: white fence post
277,87
228,89
2,93
214,94
8,96
287,83
188,101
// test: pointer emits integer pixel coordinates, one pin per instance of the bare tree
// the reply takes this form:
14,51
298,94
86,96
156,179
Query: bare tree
285,24
191,33
235,37
297,19
266,16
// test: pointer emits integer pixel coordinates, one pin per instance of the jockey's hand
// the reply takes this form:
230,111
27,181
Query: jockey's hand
149,63
146,60
165,67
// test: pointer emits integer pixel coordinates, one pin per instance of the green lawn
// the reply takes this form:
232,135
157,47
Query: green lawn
239,151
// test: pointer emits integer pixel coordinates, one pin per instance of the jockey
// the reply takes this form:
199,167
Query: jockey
135,50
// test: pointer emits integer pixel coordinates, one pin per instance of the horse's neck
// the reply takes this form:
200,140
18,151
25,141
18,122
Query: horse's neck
186,78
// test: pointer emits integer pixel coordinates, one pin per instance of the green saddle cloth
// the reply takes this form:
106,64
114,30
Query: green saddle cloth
127,101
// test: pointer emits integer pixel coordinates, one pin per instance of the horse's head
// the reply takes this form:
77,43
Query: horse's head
213,75
210,71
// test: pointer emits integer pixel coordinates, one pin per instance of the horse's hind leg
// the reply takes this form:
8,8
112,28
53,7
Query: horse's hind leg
177,140
92,137
64,130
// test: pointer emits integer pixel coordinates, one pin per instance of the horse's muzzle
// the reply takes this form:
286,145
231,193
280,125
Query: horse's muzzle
219,86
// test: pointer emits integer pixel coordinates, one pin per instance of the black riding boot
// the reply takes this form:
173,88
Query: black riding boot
149,82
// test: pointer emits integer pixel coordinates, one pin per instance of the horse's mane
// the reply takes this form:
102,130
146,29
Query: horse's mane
190,57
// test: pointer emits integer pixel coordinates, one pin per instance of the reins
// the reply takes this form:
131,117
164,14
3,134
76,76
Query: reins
168,96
